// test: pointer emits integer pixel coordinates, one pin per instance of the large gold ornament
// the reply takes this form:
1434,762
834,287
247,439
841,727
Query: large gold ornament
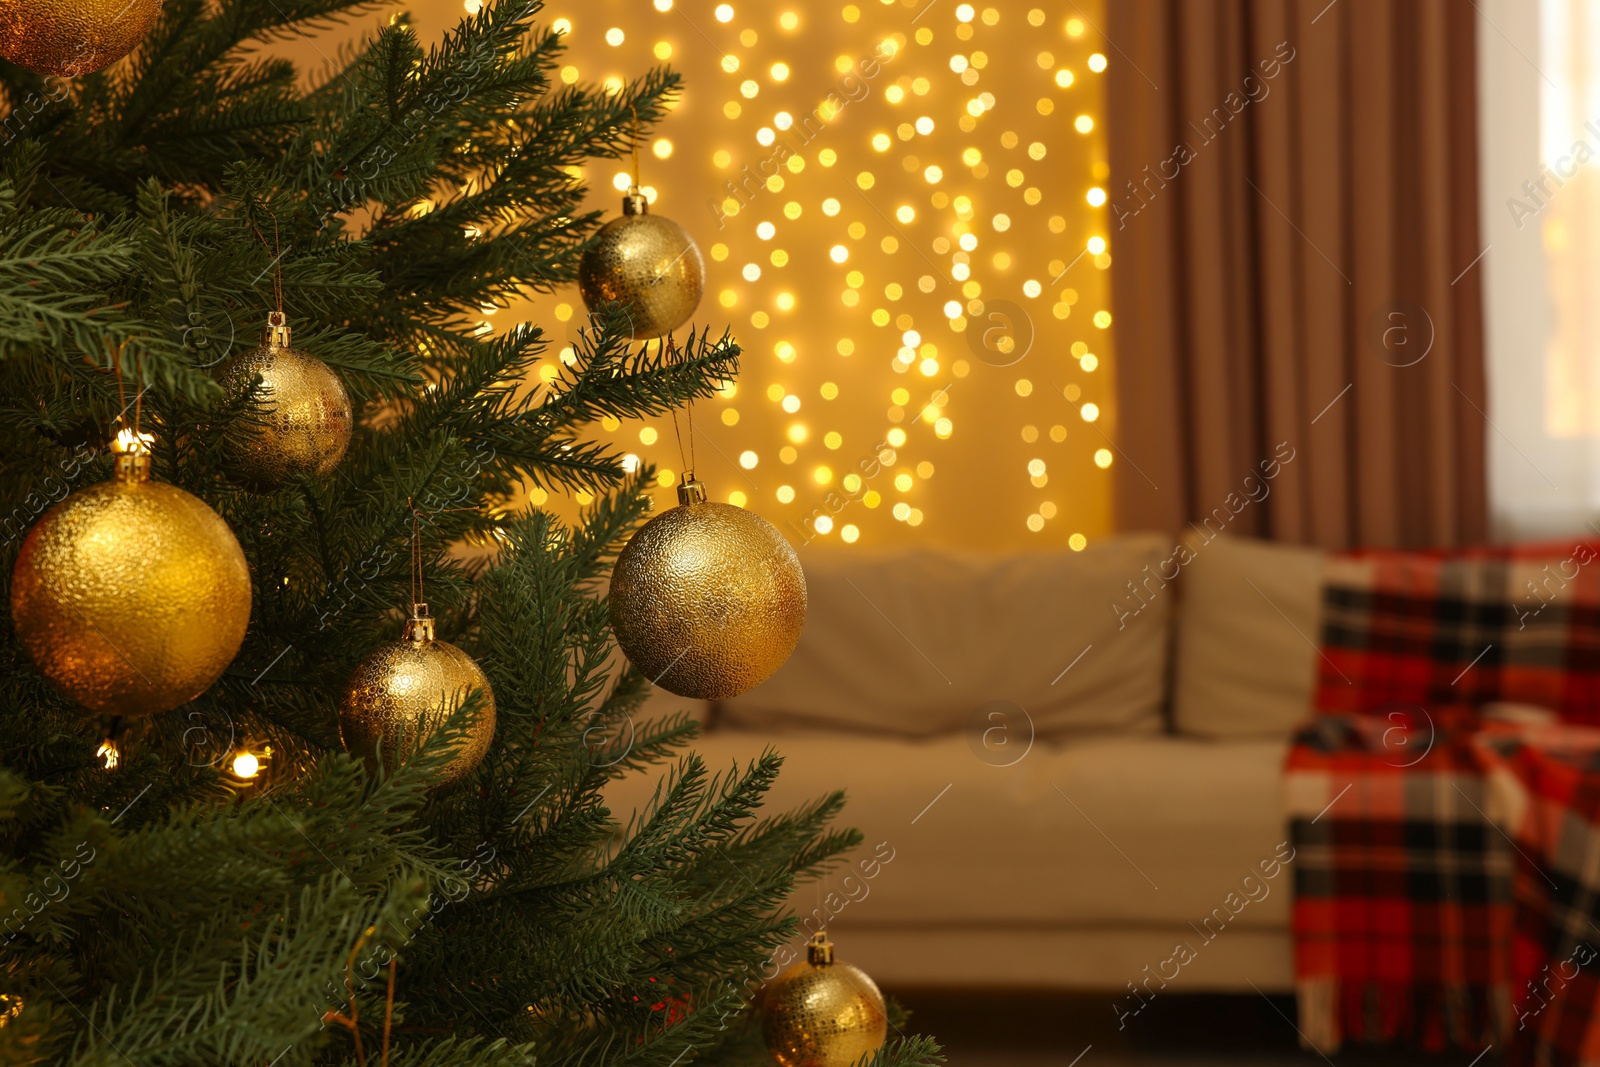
131,596
707,599
66,38
306,409
822,1013
648,263
402,692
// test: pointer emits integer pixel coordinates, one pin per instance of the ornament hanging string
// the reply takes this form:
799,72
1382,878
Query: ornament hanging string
122,392
416,553
635,140
277,261
672,352
689,463
417,592
388,1012
352,1021
138,400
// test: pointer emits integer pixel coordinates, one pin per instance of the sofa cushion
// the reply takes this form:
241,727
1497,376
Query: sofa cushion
1247,633
915,643
1098,832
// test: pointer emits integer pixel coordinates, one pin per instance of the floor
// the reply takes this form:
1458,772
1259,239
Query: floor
1070,1030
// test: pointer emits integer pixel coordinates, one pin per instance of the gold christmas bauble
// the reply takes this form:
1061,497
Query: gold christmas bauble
306,413
708,599
822,1013
66,38
131,596
402,693
647,263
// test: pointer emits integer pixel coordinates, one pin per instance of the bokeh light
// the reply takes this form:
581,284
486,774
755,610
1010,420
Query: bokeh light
906,227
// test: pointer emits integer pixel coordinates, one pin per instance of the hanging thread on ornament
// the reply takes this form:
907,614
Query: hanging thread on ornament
352,1021
418,593
689,465
277,258
634,111
308,426
122,389
129,439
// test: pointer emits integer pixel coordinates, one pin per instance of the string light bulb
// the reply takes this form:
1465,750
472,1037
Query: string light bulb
247,765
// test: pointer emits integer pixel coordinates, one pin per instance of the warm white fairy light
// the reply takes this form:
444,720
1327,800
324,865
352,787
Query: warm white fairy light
926,210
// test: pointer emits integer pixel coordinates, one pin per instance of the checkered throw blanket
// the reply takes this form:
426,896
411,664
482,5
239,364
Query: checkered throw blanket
1409,629
1447,862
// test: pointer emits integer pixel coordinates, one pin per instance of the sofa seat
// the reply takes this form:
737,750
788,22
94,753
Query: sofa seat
1143,835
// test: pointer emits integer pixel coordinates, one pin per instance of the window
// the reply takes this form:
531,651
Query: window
1540,204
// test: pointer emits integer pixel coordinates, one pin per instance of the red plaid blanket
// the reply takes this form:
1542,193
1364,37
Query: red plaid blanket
1408,629
1552,778
1448,865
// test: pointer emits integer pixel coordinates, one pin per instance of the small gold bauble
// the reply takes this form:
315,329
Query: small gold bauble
131,596
646,263
66,38
306,413
708,599
402,693
822,1013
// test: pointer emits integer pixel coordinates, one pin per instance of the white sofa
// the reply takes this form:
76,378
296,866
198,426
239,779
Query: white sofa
1159,684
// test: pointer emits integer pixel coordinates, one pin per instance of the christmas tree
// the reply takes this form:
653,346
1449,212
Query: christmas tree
222,883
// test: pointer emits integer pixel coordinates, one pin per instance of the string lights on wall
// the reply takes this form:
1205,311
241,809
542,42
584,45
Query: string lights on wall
904,207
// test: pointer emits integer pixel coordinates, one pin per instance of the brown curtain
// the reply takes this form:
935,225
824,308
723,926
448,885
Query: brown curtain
1294,231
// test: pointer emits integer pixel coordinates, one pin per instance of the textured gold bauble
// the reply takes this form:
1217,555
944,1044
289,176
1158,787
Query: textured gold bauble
305,409
647,263
402,693
66,38
708,599
131,596
822,1013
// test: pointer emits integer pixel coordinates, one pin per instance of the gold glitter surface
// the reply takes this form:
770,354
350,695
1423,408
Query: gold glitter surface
403,691
306,412
707,600
131,596
71,37
647,263
823,1015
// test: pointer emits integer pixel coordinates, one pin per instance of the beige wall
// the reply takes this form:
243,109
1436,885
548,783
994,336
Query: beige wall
1015,464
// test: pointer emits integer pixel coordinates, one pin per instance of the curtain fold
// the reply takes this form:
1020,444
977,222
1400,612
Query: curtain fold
1293,221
